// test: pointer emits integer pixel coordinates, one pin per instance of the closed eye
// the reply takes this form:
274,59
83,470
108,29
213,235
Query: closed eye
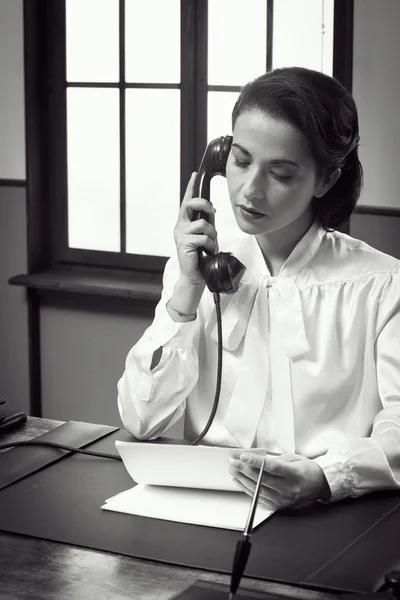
283,178
240,163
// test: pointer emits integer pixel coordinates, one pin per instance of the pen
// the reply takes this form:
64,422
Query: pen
244,545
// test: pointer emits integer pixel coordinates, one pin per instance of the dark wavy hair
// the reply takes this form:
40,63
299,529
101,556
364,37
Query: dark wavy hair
325,113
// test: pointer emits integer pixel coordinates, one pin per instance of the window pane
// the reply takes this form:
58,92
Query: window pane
152,41
92,40
93,169
298,34
152,170
327,37
237,35
220,106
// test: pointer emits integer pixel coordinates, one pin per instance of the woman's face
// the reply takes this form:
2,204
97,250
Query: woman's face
270,172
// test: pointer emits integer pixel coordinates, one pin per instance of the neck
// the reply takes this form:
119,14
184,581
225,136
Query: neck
277,246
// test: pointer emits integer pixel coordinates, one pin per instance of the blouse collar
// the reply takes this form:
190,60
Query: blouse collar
257,278
250,254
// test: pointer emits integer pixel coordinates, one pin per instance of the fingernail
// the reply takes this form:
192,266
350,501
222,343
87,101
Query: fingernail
245,457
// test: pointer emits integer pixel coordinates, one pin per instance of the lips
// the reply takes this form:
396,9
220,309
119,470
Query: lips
251,211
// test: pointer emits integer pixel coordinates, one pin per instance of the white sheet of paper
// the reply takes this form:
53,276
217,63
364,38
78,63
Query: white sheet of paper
213,508
204,467
188,484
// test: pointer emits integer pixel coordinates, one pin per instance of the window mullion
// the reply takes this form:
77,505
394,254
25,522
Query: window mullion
58,163
270,33
343,42
201,78
122,138
188,92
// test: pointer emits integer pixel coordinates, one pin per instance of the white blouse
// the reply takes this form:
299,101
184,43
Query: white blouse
311,361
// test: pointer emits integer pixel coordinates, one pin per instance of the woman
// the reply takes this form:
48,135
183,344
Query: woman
311,363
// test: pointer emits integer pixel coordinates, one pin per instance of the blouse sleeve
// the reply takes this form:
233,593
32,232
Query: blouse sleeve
150,401
365,465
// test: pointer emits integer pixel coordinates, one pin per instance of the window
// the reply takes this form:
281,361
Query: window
136,90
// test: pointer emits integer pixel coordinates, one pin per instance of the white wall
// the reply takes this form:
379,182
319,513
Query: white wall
14,371
12,123
85,342
84,347
379,231
376,89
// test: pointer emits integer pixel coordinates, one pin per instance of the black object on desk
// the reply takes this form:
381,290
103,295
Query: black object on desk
343,547
243,546
201,590
10,420
204,590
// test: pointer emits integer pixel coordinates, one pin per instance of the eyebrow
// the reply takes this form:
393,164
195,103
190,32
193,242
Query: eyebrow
274,161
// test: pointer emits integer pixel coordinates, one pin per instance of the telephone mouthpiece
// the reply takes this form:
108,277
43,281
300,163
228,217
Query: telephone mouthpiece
222,272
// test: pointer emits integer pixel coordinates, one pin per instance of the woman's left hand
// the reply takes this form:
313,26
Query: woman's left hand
288,479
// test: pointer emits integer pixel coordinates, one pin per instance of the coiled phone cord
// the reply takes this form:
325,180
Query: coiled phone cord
35,442
219,371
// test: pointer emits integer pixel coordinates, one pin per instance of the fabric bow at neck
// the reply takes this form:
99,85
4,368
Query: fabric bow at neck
284,295
269,316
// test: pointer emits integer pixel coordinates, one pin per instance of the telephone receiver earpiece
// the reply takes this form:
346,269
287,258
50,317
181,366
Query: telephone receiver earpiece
222,272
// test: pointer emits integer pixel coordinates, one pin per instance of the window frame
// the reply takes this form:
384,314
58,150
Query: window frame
45,51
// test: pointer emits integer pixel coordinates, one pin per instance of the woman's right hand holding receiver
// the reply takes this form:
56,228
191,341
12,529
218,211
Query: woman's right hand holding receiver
189,237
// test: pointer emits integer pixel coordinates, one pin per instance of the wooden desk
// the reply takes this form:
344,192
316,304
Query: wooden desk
37,569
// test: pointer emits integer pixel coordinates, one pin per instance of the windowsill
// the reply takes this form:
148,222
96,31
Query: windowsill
136,285
382,211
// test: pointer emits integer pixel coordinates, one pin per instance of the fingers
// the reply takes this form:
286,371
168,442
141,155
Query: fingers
201,241
281,466
250,474
189,188
192,232
196,234
238,452
191,205
201,226
194,205
286,495
266,497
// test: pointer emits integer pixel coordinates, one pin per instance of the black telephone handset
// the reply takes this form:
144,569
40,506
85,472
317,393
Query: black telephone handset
222,272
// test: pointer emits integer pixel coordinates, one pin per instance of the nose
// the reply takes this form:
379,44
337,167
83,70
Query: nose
253,187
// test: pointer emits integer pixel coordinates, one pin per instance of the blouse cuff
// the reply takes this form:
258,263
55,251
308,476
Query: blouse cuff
356,468
168,333
337,473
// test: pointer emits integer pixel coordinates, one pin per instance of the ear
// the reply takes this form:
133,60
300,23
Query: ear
326,184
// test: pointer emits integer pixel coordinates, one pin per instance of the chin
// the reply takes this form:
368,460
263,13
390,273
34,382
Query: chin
265,225
251,229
